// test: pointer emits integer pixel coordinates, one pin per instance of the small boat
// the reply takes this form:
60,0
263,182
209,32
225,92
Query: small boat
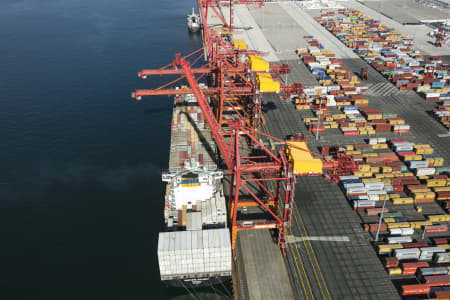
194,22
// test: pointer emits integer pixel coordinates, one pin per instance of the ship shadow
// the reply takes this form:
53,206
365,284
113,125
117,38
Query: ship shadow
203,140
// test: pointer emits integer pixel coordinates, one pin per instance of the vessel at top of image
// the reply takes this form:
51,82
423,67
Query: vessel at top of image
194,22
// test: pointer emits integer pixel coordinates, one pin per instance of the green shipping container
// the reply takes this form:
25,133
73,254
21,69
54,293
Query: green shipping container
443,170
393,215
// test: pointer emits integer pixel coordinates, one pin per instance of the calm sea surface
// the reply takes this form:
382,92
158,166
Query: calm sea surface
80,189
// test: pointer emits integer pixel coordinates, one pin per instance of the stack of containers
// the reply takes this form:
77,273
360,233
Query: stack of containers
391,53
332,75
442,113
195,253
382,175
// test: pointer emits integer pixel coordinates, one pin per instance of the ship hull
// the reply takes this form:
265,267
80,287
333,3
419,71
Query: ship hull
194,27
197,282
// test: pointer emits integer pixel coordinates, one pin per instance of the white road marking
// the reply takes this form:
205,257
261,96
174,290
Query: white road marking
334,238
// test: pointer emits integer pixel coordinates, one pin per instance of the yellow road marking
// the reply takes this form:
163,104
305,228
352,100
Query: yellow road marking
308,243
298,272
313,260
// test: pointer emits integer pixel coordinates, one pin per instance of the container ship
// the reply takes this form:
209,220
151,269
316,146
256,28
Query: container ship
195,249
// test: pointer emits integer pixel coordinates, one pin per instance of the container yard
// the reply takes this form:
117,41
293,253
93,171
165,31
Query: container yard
315,160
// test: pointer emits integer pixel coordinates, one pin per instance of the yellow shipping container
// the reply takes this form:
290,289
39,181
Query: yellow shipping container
436,182
258,64
418,196
394,196
266,83
380,146
421,190
438,162
390,246
302,107
420,224
445,246
370,155
442,189
399,201
394,271
339,116
364,168
386,169
239,44
357,173
374,169
375,117
366,180
302,161
398,225
430,162
389,220
386,181
439,218
408,157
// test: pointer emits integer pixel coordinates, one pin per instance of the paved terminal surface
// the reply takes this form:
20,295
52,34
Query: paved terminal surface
329,255
262,272
417,32
406,11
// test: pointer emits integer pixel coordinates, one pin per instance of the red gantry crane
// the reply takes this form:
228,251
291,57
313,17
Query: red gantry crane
232,86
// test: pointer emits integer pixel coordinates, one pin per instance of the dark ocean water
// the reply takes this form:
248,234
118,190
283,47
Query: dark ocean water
80,189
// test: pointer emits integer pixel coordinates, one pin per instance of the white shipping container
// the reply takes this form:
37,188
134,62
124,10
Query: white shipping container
348,177
399,239
432,249
401,231
442,258
373,141
363,203
353,185
425,171
414,164
410,253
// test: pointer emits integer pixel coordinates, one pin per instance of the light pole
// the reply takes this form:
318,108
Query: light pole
379,221
318,121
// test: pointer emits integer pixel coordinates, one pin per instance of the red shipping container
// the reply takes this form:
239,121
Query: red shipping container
415,245
398,141
406,153
442,294
374,227
415,289
424,200
441,241
398,188
375,211
411,268
391,262
443,195
436,228
438,280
